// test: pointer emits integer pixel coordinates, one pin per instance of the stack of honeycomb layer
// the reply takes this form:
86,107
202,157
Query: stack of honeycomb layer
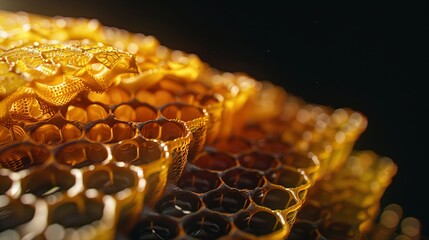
108,134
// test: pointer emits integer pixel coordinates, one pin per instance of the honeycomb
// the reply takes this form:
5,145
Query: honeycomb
107,134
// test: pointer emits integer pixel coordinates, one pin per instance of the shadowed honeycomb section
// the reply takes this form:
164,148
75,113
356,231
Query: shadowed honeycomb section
46,181
14,213
23,155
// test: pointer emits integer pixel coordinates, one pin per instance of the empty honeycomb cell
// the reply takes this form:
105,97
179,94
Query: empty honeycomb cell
125,183
135,111
243,179
109,131
85,114
110,179
54,131
73,217
23,155
195,118
274,198
175,135
258,161
213,160
260,223
80,154
198,181
113,96
233,145
46,181
226,200
11,134
154,228
206,225
291,178
48,134
150,156
178,204
338,231
14,213
5,181
309,163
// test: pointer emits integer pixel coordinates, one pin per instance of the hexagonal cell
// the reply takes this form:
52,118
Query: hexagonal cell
47,181
23,155
207,226
54,131
149,155
198,181
76,212
226,200
165,130
154,228
216,161
137,151
243,179
135,111
259,161
274,198
233,145
175,135
338,230
14,213
178,204
258,223
310,164
80,154
288,178
109,131
86,114
47,134
182,111
109,179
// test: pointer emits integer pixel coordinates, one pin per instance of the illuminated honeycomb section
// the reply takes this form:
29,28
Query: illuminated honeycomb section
106,134
345,205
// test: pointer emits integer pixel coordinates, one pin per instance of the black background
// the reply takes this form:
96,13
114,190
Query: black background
370,57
